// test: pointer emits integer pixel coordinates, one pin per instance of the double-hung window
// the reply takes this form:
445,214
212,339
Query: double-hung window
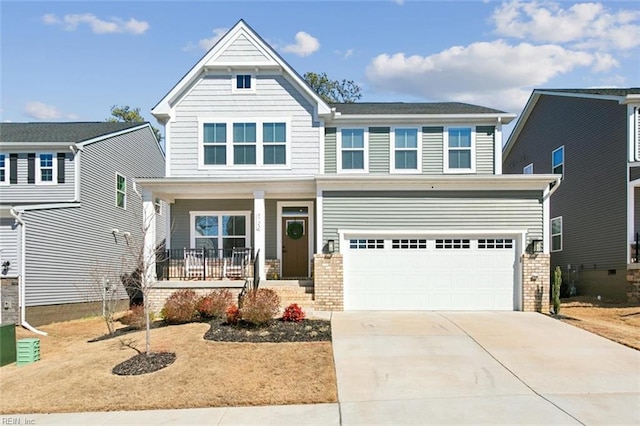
220,232
556,234
557,161
352,150
46,169
459,150
4,169
274,142
244,143
121,191
214,140
406,150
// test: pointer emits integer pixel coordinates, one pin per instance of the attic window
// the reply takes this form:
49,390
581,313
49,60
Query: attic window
243,81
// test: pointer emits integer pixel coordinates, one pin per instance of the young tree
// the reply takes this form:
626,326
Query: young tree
126,114
333,91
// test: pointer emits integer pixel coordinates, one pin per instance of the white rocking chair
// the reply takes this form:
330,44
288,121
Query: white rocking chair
235,266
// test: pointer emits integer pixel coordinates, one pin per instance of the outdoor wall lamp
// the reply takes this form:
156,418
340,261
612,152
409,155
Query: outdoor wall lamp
537,246
331,246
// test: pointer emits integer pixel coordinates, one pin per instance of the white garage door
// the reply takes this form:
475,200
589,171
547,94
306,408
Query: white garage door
429,273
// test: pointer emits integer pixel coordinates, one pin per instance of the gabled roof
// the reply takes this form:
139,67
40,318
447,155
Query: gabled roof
621,95
60,132
269,59
374,108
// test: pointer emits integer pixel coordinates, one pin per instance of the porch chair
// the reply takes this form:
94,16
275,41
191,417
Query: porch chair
193,264
235,266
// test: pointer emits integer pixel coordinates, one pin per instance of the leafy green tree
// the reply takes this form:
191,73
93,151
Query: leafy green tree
333,91
126,114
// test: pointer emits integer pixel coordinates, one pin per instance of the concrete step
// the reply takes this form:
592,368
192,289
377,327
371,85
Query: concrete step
302,296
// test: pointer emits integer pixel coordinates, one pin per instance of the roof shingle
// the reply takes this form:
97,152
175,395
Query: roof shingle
601,91
373,108
63,132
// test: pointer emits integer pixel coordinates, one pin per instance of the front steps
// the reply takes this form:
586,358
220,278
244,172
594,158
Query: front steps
292,291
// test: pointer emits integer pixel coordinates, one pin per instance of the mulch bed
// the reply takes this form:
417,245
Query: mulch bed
143,363
275,331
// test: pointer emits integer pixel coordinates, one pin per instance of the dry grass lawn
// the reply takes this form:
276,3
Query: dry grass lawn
74,375
617,322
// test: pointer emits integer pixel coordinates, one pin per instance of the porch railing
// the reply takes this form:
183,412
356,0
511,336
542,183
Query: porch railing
205,264
635,248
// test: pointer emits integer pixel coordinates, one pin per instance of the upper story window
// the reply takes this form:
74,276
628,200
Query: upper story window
353,150
4,169
121,191
557,161
214,140
274,140
406,150
459,150
528,169
243,83
46,168
244,143
556,234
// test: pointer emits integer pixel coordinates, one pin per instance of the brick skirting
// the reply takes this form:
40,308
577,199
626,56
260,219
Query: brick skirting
633,282
536,282
328,282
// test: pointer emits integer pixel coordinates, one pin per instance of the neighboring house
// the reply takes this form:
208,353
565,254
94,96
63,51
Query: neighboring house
590,136
68,208
383,205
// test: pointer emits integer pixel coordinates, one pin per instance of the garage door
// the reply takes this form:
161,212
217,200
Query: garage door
429,273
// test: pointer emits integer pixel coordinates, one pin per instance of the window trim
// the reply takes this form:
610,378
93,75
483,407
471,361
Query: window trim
6,168
445,146
365,148
54,169
234,83
392,150
235,144
118,191
274,144
202,145
556,234
229,144
527,167
192,223
562,163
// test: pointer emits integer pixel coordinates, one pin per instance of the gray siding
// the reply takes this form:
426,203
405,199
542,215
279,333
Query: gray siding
330,155
485,148
432,150
636,210
379,150
242,50
432,211
70,250
634,173
271,229
592,196
211,98
24,192
9,246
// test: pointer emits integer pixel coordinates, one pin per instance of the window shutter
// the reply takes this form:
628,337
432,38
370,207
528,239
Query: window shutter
31,168
13,168
61,158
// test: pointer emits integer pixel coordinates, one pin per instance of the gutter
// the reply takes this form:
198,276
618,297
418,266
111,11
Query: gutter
553,189
21,281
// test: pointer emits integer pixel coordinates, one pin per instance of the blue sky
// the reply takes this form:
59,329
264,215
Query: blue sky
71,61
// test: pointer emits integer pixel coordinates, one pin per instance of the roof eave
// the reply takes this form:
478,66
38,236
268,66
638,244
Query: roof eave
426,118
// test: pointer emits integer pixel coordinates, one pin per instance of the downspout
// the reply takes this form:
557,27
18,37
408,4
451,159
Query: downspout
22,293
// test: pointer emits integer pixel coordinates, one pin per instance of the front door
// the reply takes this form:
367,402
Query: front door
295,247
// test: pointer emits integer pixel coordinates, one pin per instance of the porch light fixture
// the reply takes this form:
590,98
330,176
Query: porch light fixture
536,246
331,246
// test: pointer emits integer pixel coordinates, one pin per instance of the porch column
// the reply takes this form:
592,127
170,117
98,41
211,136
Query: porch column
258,230
149,236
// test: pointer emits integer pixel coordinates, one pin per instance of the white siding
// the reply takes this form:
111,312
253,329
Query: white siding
9,243
242,50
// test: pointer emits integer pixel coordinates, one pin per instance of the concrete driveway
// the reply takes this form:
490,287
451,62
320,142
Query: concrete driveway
480,367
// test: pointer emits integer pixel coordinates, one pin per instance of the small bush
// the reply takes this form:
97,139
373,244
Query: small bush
214,304
135,317
293,313
180,307
259,306
233,314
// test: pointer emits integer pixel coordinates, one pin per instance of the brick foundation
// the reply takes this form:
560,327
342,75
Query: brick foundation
41,315
272,269
328,282
633,282
536,282
9,300
158,296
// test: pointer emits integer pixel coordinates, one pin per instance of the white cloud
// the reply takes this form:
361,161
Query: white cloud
98,26
490,73
583,25
305,45
344,54
42,111
206,43
398,2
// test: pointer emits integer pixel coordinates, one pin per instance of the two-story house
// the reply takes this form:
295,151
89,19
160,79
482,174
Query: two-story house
590,137
70,214
383,205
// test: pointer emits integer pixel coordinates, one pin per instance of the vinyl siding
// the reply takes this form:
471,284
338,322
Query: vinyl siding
431,211
9,246
432,150
24,192
636,210
634,173
592,196
211,98
242,50
485,149
70,250
271,229
330,155
379,154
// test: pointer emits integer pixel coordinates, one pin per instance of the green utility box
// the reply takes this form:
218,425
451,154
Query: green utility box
7,343
28,351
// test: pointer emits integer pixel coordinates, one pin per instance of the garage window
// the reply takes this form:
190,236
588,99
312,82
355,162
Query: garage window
366,244
409,244
495,244
453,244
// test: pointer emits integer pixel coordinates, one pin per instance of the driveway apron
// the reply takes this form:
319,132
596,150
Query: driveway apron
480,367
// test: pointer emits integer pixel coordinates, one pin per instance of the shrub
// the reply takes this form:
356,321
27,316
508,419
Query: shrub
214,304
555,291
180,307
293,313
259,306
233,314
135,317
